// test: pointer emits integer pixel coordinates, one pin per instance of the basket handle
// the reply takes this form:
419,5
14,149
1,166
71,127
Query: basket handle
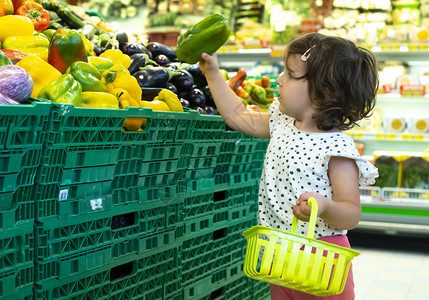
312,222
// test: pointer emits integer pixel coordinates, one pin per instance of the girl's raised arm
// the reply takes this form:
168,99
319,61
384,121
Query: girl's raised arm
229,105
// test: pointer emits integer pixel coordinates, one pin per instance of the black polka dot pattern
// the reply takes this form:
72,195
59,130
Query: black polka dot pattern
297,162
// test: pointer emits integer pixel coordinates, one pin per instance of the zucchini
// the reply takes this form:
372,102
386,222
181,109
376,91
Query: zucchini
70,18
51,5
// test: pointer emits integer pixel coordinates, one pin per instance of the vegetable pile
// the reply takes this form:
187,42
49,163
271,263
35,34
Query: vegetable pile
58,53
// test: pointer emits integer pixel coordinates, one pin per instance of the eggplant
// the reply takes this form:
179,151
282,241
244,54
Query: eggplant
185,103
171,87
198,75
199,109
16,85
148,93
154,76
137,47
173,66
184,81
98,50
209,110
196,97
122,38
138,61
209,96
157,48
161,60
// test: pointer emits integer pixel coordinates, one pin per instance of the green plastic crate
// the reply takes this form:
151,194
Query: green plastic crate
23,125
153,277
204,197
58,239
133,277
155,151
260,289
63,177
18,169
17,246
16,261
71,126
210,250
208,127
80,156
221,215
239,289
17,207
17,283
215,285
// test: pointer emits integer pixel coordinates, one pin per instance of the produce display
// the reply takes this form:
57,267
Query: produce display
72,60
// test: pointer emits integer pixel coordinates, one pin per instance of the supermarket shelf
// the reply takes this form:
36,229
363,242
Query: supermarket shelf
392,228
401,52
394,211
390,136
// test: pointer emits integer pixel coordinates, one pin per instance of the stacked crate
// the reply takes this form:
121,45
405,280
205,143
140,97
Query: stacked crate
109,205
89,211
220,203
22,133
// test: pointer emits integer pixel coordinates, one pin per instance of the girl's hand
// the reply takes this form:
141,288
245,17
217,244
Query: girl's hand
208,63
302,210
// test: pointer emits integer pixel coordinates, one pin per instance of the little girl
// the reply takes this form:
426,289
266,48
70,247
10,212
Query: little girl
328,85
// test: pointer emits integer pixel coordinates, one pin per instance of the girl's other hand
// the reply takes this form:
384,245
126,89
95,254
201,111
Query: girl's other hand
302,210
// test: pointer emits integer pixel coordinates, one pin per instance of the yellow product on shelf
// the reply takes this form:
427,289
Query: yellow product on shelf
399,194
424,196
419,125
394,124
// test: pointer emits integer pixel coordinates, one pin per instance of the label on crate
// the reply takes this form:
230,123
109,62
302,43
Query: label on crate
63,195
96,203
412,90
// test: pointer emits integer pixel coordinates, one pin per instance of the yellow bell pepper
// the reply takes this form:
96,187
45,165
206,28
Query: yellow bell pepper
119,77
89,47
155,105
40,71
36,45
99,100
16,25
102,64
126,100
171,99
117,57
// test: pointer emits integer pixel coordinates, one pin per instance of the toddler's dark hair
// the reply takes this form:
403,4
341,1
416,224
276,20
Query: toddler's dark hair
342,79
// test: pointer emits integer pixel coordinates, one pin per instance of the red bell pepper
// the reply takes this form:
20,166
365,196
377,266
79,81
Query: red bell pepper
38,15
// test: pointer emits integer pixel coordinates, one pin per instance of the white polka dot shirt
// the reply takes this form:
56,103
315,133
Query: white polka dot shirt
297,162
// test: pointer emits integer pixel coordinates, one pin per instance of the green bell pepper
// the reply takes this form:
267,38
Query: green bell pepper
49,33
65,47
101,63
64,89
88,76
257,93
207,35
